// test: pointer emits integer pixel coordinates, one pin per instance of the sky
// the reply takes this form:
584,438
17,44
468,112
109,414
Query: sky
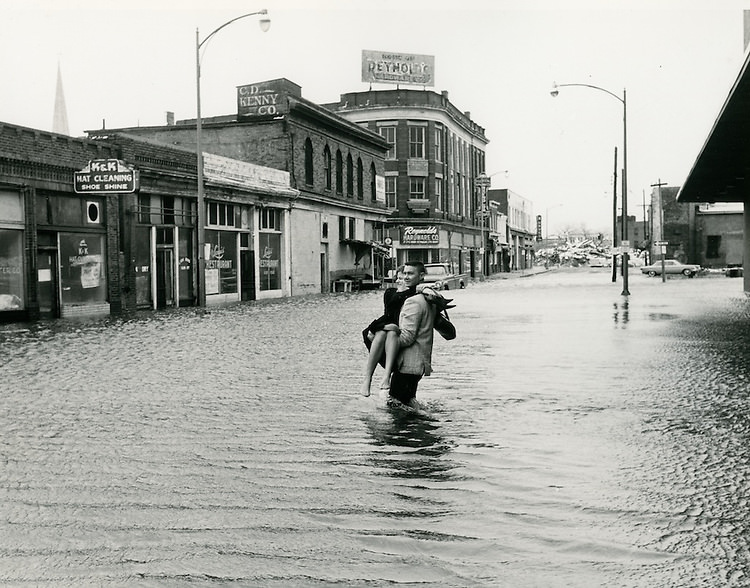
128,63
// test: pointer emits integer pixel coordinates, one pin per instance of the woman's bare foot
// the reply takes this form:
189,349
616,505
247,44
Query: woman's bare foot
365,389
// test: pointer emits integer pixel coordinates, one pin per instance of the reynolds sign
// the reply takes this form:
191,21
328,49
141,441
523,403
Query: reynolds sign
384,67
427,235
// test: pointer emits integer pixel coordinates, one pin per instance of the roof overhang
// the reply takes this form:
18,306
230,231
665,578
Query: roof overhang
362,247
721,173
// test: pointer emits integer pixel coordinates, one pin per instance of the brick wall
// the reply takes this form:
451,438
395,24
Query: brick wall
32,145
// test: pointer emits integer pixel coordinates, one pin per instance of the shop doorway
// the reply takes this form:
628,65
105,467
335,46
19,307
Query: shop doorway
164,278
48,285
473,260
247,274
324,281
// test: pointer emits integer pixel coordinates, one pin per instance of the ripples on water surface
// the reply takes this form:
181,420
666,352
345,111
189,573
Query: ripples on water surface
571,437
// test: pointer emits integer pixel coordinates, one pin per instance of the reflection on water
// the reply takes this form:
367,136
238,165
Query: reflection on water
232,448
412,446
621,314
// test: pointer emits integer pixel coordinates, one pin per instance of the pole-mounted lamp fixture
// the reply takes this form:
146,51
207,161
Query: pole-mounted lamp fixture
554,92
265,24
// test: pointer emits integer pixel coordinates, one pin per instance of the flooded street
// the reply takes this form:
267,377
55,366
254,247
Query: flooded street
571,437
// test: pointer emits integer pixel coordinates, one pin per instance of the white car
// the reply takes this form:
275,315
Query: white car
671,266
440,277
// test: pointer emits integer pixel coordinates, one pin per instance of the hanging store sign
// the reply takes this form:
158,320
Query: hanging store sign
384,67
428,235
105,175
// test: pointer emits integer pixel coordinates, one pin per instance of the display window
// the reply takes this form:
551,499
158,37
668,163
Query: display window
221,262
83,268
186,265
270,261
142,266
11,270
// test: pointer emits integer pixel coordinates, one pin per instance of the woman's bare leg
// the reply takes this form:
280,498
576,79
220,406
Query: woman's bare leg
376,350
391,352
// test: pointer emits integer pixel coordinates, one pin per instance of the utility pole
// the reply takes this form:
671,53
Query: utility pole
614,222
663,245
645,226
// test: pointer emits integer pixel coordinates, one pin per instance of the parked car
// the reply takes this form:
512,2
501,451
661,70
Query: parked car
734,270
671,266
440,277
600,262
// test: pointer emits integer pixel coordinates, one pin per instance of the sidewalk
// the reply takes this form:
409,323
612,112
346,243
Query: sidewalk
524,273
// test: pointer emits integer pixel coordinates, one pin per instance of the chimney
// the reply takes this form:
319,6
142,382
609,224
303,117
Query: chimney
170,118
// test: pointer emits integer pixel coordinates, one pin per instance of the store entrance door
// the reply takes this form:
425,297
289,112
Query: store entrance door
47,282
247,271
164,277
325,285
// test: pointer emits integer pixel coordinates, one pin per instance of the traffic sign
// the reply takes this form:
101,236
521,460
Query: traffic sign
661,243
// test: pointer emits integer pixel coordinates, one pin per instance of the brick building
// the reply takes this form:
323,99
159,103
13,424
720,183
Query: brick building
331,230
64,252
435,152
158,236
58,249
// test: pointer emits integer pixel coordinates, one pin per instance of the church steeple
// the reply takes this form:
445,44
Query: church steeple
60,120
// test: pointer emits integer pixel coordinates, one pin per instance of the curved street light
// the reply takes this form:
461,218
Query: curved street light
265,24
554,92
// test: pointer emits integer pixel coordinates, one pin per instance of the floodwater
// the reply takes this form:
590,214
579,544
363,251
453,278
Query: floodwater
570,437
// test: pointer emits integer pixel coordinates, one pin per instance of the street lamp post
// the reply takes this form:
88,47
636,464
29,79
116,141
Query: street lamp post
265,23
624,100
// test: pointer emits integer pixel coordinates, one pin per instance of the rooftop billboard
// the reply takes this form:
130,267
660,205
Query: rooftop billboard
384,67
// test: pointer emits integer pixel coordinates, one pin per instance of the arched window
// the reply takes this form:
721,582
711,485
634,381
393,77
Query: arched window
339,172
373,185
360,180
349,176
327,166
308,162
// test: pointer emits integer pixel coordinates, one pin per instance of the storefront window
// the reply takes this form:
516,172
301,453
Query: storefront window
11,209
11,270
83,268
142,266
270,261
221,262
186,266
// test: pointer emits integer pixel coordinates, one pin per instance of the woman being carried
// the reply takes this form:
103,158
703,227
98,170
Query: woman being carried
381,335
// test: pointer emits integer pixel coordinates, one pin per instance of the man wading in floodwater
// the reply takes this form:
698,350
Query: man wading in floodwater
415,324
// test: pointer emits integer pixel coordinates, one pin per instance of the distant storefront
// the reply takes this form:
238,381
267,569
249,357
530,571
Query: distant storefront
12,290
72,256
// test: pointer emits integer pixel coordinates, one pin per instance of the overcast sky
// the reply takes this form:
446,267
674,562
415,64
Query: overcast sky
128,63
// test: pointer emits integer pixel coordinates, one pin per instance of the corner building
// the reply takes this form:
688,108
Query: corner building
435,153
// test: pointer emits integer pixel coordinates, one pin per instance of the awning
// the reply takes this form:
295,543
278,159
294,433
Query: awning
722,170
361,248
